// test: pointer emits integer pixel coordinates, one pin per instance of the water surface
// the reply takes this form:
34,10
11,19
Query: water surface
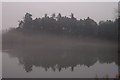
59,57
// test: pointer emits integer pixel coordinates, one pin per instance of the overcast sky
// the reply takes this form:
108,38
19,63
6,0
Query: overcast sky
14,11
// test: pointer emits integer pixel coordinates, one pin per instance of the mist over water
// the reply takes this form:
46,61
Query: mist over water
58,45
60,56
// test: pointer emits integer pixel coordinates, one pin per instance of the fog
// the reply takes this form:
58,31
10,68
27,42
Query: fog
14,11
58,56
62,43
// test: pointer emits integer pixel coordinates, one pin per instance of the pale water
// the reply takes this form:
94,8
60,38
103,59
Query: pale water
17,66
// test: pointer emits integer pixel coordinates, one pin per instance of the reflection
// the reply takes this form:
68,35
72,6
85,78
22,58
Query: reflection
62,58
28,67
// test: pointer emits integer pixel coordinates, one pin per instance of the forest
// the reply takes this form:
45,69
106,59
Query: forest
61,40
57,33
62,25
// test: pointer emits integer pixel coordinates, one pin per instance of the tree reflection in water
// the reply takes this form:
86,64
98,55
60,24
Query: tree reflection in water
58,59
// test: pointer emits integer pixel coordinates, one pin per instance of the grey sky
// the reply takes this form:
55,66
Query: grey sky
14,11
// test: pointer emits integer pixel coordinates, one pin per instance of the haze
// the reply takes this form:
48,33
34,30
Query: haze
14,11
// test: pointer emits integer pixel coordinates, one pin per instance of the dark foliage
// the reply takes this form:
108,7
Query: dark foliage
69,26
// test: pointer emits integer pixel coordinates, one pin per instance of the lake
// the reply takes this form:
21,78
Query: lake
46,66
59,57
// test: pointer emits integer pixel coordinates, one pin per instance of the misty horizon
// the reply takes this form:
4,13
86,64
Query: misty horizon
60,40
97,11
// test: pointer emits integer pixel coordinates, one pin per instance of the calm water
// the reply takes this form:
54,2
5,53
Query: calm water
56,57
58,65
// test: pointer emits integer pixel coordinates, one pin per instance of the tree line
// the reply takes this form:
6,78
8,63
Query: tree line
58,24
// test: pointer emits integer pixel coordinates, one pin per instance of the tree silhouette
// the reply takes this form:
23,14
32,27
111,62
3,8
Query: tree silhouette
53,15
59,16
70,26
